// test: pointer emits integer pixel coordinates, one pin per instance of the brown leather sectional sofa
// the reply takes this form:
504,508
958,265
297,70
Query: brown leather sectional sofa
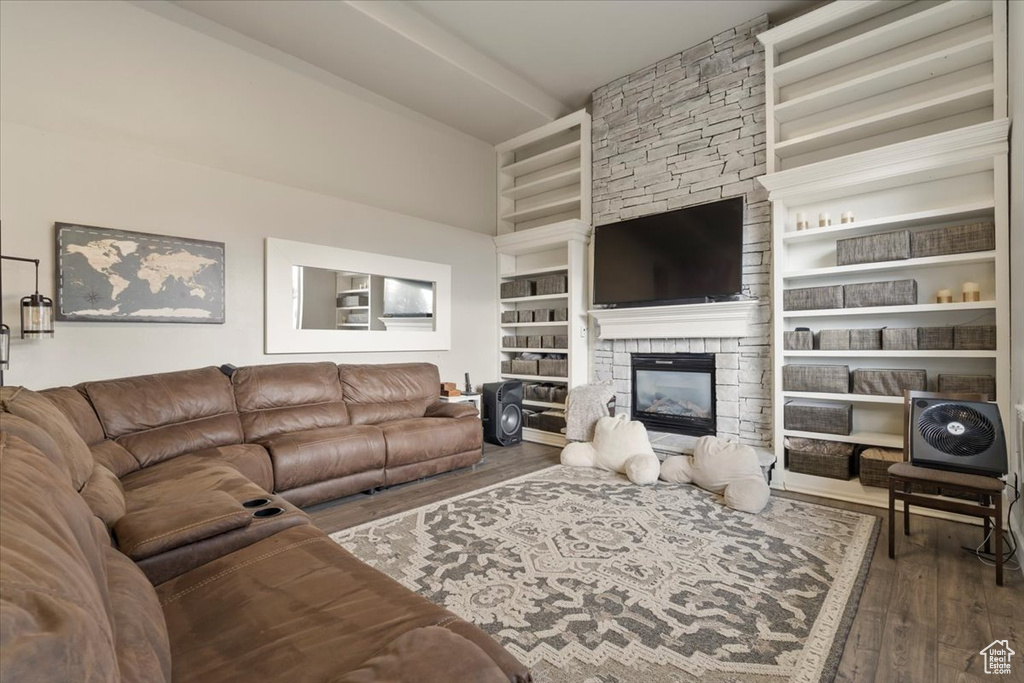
191,480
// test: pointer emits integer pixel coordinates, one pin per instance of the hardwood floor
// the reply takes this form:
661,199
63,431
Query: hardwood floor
923,617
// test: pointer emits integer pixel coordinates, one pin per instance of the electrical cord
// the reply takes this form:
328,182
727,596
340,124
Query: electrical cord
1011,541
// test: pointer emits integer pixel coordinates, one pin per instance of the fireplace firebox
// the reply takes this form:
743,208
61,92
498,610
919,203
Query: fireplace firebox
674,392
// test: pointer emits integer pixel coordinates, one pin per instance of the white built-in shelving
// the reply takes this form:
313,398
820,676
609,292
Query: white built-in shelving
895,111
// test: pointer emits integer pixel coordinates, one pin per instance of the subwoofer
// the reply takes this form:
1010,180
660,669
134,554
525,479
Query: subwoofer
503,413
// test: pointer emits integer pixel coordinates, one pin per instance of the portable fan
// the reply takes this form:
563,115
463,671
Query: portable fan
963,436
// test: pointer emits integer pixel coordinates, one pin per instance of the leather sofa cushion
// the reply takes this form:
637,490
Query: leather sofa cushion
60,592
114,457
156,417
251,461
288,397
41,412
104,495
321,454
317,613
76,407
422,656
425,438
384,393
442,409
177,522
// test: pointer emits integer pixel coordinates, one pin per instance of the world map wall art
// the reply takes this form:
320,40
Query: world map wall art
121,276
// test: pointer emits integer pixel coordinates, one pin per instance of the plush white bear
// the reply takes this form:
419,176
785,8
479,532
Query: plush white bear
619,445
722,467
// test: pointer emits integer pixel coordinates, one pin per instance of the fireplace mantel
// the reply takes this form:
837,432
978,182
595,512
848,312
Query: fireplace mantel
726,319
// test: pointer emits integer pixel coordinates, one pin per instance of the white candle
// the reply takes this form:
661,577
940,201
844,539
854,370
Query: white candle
801,221
824,220
847,217
971,292
945,296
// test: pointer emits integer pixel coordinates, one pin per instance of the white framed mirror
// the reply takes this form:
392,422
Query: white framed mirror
322,299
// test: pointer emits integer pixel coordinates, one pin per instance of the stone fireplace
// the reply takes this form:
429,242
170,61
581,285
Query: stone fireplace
674,392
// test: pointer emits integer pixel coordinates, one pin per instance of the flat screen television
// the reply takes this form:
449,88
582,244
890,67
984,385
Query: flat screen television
689,254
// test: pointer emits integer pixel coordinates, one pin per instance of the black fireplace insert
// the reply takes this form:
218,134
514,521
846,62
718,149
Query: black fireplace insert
674,392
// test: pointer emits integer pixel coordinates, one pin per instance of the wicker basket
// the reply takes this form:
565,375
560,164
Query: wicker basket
889,293
510,341
510,316
514,289
974,337
552,284
525,315
824,378
524,367
543,315
561,341
865,339
819,416
551,421
547,341
934,338
506,367
358,318
561,314
798,340
534,341
886,246
956,239
899,338
874,469
553,367
834,340
810,298
885,382
968,384
522,341
831,465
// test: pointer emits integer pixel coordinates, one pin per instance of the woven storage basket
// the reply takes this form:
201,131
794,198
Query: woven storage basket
531,419
360,318
524,367
350,300
525,315
534,341
543,315
899,338
809,298
561,341
516,288
506,367
818,416
886,246
800,340
553,367
552,284
551,421
889,293
534,392
509,341
885,382
974,337
968,384
934,338
831,465
558,393
522,341
547,341
874,469
955,239
865,339
509,316
834,340
561,314
824,378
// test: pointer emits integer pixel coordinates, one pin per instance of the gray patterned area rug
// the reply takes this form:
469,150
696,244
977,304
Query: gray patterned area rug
587,578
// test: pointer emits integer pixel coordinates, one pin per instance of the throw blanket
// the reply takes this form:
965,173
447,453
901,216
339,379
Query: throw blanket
584,406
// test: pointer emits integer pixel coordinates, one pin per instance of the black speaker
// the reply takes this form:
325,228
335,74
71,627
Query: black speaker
503,413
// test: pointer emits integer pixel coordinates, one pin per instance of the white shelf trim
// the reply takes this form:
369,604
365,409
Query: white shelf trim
907,220
847,398
890,353
506,349
543,238
905,264
535,297
891,310
863,438
725,319
537,378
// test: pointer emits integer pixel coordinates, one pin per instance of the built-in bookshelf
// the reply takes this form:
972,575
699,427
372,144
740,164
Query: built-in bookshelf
894,112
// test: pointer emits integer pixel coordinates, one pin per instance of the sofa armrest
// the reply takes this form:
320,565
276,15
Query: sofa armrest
443,409
152,530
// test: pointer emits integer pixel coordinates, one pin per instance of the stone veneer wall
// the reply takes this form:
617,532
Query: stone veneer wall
688,130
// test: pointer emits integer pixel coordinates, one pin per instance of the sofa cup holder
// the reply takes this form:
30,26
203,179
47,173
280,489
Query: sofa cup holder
263,513
256,503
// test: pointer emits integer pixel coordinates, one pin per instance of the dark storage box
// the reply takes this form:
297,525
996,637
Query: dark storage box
955,239
889,293
510,316
551,421
552,284
885,382
934,338
874,469
819,416
516,288
968,384
899,338
543,315
524,367
865,339
974,337
553,367
886,246
834,340
823,459
824,378
810,298
802,340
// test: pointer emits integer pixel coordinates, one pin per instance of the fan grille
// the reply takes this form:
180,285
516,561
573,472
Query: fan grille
956,429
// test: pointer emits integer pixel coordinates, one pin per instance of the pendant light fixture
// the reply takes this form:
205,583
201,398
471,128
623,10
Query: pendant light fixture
36,316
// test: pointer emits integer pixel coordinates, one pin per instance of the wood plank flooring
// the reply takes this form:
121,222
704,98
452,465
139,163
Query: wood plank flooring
923,617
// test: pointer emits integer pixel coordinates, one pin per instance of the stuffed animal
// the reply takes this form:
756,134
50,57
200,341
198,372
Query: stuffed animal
722,467
619,445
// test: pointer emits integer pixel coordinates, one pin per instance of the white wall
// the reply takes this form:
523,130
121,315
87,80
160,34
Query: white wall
114,116
1016,78
47,177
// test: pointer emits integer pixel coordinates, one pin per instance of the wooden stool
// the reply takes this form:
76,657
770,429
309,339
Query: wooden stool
987,489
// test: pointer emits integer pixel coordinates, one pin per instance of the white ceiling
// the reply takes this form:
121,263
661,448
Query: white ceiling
491,69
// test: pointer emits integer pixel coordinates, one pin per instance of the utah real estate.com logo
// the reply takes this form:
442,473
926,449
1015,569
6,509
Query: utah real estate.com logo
997,657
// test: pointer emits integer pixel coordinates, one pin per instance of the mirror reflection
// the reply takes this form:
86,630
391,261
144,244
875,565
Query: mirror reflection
325,299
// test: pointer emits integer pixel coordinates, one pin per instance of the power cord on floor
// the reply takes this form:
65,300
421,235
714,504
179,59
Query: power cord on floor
987,558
